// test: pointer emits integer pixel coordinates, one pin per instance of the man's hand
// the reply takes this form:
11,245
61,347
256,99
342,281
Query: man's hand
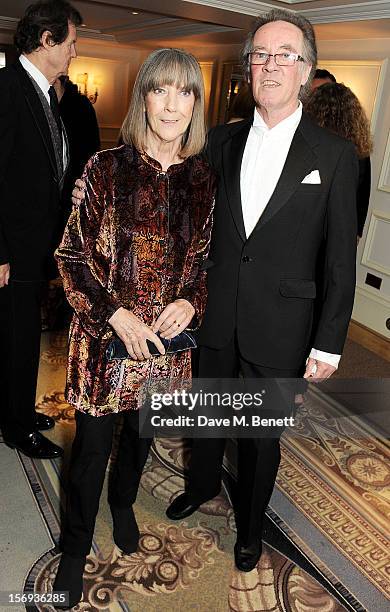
4,274
78,192
318,370
134,333
174,319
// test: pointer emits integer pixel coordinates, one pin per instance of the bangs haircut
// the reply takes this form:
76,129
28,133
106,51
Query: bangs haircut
167,67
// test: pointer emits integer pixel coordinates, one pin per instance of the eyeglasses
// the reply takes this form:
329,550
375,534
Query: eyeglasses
259,58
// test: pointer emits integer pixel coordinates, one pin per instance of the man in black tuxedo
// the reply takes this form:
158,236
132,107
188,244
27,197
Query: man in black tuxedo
33,161
284,231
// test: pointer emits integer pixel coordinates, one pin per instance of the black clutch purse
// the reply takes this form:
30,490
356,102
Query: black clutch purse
182,342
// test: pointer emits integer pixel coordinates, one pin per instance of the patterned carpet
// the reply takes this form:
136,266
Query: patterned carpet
331,506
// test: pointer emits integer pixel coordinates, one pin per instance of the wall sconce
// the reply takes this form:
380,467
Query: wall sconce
82,84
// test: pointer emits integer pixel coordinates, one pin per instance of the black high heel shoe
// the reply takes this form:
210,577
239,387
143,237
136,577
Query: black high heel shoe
125,532
70,578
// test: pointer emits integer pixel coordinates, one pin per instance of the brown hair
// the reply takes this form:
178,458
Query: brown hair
335,107
51,15
309,51
167,67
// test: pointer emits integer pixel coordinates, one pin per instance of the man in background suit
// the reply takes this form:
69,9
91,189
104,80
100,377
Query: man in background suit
33,161
284,229
321,77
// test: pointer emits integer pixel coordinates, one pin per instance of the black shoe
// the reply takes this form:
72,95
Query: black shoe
125,532
44,422
180,508
36,446
246,557
69,579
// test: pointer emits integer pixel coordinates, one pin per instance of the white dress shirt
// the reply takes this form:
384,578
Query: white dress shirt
37,75
263,160
264,156
44,86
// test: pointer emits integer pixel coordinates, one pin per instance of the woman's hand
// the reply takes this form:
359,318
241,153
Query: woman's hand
134,333
78,192
174,319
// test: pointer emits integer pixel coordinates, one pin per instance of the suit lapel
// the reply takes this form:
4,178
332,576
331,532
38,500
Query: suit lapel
232,152
299,162
38,114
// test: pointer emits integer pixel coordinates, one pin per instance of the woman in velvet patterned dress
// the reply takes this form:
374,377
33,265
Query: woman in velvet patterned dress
131,261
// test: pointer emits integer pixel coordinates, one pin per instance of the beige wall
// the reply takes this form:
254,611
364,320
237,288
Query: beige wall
116,68
372,306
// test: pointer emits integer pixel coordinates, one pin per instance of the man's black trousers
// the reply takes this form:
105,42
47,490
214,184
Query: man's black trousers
257,458
20,334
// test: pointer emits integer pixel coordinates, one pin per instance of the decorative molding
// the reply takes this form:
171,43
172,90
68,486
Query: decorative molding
140,25
8,23
376,219
369,10
161,28
371,310
175,28
96,34
375,9
384,179
367,292
245,7
378,94
296,1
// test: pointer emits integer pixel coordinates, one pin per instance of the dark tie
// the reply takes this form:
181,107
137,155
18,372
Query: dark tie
55,109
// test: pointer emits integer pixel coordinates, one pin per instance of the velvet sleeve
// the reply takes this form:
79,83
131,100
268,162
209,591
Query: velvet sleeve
194,288
79,260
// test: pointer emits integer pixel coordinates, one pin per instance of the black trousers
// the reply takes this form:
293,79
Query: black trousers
20,334
90,454
257,458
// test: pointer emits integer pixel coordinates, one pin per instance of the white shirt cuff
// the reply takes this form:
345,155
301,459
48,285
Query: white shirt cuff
329,358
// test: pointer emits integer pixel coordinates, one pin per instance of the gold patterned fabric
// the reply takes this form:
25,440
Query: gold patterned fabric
138,240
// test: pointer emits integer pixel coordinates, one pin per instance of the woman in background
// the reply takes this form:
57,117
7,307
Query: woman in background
335,107
131,261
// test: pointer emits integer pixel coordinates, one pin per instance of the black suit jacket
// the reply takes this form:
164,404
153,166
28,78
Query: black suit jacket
363,193
29,185
79,117
304,242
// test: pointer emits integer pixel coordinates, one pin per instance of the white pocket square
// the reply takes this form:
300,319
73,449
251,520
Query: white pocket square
313,178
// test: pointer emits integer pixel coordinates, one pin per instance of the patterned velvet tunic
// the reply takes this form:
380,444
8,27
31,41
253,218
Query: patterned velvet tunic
138,240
